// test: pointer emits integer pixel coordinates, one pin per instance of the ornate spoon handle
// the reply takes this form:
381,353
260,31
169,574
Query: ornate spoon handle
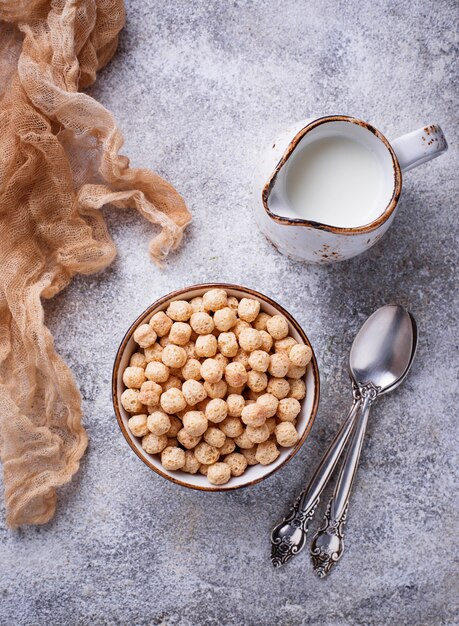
328,544
289,537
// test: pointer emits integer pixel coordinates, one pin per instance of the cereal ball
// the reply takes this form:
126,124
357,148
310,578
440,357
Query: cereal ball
192,370
252,415
144,335
215,299
243,441
153,353
271,424
179,310
153,444
296,372
284,345
300,355
197,304
174,356
138,360
227,344
250,339
190,350
266,340
257,381
203,469
180,333
278,365
157,372
202,323
286,434
164,341
174,372
224,319
235,374
267,452
278,387
288,409
195,423
268,404
161,323
239,326
277,327
248,309
235,404
228,447
172,401
206,454
249,455
206,345
219,473
193,391
172,382
137,424
242,357
176,425
237,463
233,303
211,370
216,410
133,377
130,401
260,321
259,360
158,423
232,427
297,389
216,390
257,434
214,437
188,441
221,360
191,463
172,458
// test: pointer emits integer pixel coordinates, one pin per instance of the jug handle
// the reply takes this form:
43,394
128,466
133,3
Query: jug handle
419,146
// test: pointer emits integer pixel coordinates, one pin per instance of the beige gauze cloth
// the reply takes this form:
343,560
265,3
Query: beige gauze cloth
59,164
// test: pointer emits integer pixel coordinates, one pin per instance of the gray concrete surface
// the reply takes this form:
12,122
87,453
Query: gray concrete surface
198,88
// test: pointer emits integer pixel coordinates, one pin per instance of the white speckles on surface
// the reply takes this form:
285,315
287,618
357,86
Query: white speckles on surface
198,88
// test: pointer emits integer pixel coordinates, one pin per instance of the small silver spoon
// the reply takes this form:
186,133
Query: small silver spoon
380,358
373,378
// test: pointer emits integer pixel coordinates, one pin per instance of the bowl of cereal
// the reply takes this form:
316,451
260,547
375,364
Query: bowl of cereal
215,387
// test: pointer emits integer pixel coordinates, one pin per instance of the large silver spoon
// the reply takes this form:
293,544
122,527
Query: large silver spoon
380,358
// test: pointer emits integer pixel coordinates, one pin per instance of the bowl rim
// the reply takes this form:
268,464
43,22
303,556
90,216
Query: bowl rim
171,296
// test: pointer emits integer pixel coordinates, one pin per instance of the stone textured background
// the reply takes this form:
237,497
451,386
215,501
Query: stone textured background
198,88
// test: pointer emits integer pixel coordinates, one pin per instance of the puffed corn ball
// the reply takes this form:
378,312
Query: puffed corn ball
219,473
133,377
215,299
286,434
179,311
174,356
161,323
144,335
158,423
248,309
173,458
137,424
215,385
217,410
195,423
237,463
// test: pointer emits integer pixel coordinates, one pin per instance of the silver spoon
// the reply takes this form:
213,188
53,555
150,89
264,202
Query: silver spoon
372,380
380,358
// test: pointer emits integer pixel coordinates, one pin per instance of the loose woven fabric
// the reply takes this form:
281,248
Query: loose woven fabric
59,164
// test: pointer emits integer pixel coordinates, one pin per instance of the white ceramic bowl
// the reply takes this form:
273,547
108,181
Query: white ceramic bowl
254,473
